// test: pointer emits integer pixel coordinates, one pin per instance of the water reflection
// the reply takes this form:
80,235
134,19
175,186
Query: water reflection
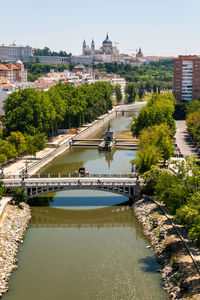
95,162
84,245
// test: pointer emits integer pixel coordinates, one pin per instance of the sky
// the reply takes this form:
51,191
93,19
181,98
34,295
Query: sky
160,27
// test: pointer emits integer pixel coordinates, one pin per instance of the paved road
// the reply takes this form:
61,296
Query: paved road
182,139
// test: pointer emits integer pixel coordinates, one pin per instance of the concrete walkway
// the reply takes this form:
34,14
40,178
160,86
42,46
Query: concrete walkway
15,168
183,140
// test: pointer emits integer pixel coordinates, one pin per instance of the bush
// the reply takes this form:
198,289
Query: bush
18,195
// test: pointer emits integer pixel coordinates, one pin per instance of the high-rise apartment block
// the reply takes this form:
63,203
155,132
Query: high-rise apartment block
186,84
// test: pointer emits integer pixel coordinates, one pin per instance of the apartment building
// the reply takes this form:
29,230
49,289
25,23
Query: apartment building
186,83
13,72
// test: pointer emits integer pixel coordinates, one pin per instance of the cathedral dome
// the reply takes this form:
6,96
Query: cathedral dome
107,41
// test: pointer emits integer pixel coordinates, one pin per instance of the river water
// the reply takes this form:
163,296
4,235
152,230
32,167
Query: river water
86,244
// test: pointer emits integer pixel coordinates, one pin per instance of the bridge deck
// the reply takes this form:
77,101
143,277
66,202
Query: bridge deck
34,187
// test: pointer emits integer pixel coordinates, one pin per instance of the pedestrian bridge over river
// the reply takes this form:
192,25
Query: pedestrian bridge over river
123,184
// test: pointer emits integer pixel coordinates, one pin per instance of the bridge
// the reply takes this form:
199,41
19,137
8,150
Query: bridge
124,184
88,142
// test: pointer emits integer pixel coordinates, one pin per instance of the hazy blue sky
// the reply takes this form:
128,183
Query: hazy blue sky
160,27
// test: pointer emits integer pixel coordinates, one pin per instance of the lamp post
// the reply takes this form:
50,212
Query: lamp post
132,167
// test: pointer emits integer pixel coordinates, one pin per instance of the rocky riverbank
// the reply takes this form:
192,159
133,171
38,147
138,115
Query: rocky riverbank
181,278
13,225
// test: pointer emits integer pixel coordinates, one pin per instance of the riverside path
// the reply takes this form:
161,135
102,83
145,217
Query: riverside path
183,140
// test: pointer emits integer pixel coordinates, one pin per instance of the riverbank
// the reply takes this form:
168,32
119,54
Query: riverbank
48,154
12,239
13,224
181,277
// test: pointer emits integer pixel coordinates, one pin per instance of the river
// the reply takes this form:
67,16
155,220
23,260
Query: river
86,244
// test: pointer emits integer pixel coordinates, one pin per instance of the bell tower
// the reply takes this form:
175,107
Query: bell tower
93,47
84,47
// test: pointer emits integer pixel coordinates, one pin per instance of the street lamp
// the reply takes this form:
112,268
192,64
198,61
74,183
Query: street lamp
132,167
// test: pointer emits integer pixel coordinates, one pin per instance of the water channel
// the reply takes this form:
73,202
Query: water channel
86,244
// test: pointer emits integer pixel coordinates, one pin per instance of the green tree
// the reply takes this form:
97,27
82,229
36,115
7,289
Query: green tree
151,178
3,158
193,125
17,139
2,189
160,136
141,91
27,110
155,88
193,106
146,157
7,150
59,108
160,109
18,195
118,93
130,91
35,143
31,146
169,191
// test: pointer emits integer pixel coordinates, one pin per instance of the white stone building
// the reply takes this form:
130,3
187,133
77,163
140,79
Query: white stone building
13,53
107,53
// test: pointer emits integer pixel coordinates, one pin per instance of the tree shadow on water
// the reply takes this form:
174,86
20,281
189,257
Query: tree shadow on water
148,264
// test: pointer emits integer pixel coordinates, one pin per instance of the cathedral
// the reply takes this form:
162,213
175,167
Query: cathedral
107,53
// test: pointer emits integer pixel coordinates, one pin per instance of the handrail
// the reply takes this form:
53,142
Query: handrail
71,175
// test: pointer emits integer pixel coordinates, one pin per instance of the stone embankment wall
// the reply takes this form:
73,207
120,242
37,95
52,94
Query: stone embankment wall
13,225
86,132
181,277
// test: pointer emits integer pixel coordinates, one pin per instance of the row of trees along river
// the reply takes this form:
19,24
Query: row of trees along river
87,244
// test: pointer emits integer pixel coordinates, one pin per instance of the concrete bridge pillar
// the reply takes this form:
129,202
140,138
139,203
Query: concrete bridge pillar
137,190
124,191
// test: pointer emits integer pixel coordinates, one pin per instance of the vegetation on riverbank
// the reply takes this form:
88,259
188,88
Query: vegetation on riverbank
31,116
193,120
154,126
181,278
180,192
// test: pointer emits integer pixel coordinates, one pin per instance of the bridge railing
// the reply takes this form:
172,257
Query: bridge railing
75,175
70,175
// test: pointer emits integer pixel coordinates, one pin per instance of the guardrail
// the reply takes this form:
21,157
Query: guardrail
71,175
46,157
